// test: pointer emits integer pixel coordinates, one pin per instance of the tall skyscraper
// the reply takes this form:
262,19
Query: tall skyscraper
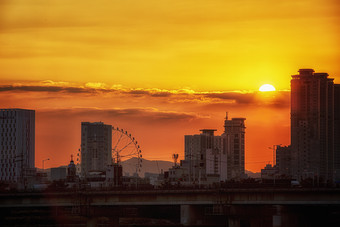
337,131
17,145
96,147
312,125
234,146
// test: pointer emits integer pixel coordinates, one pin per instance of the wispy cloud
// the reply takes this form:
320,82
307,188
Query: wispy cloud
147,114
96,89
51,86
237,96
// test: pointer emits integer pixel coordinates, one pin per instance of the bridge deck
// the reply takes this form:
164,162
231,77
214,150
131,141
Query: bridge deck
174,197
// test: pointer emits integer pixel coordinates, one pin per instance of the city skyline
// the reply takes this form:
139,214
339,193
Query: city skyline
161,70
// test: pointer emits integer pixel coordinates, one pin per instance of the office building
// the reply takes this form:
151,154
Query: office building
312,125
17,145
96,147
234,146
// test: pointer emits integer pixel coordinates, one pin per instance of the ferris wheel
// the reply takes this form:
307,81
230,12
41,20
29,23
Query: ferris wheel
125,147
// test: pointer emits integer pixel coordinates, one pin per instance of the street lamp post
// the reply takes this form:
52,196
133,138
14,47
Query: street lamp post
43,162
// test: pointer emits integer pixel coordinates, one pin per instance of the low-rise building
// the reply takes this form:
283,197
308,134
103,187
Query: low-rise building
270,172
59,173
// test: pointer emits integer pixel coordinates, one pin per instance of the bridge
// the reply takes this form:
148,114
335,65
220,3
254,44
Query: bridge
220,207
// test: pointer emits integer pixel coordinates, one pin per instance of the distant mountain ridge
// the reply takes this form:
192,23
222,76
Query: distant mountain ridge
150,166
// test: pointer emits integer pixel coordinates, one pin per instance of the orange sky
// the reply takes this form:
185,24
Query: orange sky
161,69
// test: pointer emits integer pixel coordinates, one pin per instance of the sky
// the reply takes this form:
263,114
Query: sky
161,69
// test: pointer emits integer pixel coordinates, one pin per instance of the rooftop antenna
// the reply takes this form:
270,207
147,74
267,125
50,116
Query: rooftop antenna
175,158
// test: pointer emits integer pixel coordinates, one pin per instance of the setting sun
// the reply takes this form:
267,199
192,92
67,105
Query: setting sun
267,87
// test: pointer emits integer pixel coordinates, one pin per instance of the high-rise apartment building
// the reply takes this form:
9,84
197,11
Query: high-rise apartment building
210,158
284,160
17,145
337,131
96,147
234,146
312,125
202,152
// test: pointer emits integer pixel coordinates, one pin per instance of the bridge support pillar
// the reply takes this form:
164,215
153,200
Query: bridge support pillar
277,216
190,215
91,222
115,222
234,222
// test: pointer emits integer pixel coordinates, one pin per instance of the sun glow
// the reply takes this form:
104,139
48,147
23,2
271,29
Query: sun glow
267,87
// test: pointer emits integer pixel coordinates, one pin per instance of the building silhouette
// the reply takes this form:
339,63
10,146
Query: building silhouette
58,173
71,171
312,125
270,172
284,161
203,156
96,147
337,131
211,158
234,146
17,145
